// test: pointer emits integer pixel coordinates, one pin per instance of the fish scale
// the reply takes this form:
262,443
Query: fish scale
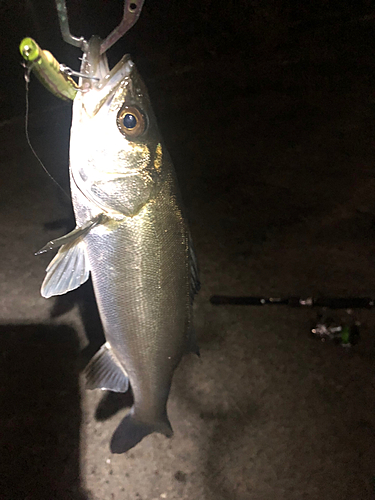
132,236
141,278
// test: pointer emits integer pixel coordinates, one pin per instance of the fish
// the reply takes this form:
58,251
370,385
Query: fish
133,238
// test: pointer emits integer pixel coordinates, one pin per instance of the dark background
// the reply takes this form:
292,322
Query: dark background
267,110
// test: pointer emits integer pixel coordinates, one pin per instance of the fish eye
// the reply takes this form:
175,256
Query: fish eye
131,122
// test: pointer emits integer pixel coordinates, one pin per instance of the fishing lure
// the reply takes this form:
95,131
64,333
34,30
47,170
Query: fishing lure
57,77
47,69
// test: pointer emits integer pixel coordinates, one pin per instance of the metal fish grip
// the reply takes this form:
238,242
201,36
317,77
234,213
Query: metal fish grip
132,11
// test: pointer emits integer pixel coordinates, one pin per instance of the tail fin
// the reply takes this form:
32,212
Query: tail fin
131,431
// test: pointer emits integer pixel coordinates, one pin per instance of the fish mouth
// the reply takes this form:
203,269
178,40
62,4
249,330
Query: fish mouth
101,82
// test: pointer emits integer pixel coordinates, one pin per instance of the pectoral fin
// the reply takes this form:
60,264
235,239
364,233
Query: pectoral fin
104,371
67,271
70,267
74,235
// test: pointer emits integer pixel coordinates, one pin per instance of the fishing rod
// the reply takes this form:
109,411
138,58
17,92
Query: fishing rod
328,302
325,327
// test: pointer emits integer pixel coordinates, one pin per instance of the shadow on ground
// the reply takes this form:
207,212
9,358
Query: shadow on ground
84,299
40,413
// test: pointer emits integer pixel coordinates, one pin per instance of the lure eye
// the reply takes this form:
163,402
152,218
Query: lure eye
131,122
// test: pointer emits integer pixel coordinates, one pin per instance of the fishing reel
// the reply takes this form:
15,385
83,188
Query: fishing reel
343,331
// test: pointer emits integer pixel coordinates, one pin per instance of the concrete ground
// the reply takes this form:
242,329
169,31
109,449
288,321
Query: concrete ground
276,164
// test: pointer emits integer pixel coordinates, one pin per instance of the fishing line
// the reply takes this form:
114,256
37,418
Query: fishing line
27,80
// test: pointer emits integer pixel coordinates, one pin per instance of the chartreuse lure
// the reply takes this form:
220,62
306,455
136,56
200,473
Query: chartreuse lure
48,70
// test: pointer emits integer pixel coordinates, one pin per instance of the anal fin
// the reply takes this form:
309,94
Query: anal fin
104,371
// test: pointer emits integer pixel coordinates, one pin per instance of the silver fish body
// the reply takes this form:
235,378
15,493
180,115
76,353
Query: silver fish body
139,255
